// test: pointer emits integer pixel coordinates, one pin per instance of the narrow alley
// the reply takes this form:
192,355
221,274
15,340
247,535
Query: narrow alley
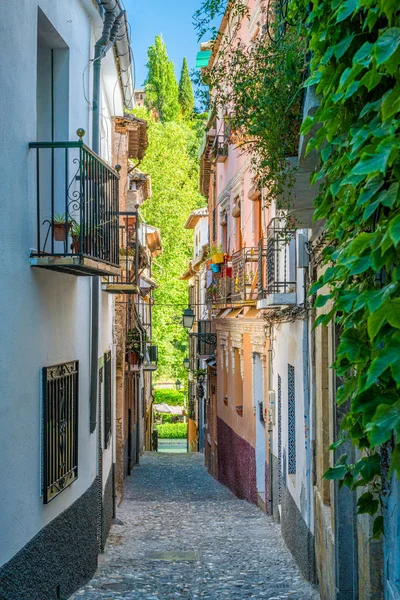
181,534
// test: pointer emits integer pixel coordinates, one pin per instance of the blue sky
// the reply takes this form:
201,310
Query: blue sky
172,18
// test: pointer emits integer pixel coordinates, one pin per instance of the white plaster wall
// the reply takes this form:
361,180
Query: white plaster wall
288,349
44,316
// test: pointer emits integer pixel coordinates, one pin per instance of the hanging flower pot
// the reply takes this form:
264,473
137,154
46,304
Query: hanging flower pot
218,258
215,268
60,229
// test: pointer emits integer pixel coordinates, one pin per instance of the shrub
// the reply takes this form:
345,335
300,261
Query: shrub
166,396
172,430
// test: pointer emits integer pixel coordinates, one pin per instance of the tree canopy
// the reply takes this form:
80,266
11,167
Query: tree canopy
186,95
161,85
172,163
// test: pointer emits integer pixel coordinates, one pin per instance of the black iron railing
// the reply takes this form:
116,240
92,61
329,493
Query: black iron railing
277,260
107,398
223,287
206,338
77,203
60,428
245,275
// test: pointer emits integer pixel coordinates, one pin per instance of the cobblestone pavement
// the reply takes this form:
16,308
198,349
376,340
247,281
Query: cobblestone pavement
182,535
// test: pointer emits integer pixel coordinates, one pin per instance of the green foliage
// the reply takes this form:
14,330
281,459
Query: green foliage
171,161
186,96
161,84
258,89
167,418
167,396
355,50
172,431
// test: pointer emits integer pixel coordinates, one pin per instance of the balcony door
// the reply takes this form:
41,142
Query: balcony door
52,88
261,453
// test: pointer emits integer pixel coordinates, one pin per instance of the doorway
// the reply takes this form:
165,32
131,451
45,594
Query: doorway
261,453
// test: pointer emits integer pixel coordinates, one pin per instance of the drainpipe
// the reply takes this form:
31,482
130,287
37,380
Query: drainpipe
113,17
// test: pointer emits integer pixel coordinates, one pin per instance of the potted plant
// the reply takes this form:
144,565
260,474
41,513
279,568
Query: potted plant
60,227
126,257
76,238
217,255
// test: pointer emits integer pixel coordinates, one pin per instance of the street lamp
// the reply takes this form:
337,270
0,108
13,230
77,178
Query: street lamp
178,384
186,363
188,318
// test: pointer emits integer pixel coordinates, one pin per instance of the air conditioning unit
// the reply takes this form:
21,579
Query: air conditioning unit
271,407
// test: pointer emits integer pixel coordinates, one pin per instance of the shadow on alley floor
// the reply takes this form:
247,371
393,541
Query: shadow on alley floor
183,535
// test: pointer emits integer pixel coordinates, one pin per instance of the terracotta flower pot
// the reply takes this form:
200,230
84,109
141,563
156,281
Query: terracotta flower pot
60,232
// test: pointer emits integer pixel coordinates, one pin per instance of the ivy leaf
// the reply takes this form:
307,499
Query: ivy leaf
389,197
337,444
376,299
367,504
363,53
322,300
394,229
371,79
391,103
372,187
375,322
377,528
341,48
372,163
345,391
389,355
307,125
337,472
385,421
387,44
370,467
347,8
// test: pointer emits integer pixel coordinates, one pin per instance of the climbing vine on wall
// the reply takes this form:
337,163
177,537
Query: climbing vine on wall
257,87
355,68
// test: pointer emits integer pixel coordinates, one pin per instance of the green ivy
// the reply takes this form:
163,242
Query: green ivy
355,58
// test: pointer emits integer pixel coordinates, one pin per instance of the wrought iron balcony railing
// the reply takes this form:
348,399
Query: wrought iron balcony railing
206,338
128,281
223,287
219,151
277,265
77,227
245,276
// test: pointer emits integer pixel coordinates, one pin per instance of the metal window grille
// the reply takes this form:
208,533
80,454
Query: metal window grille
107,398
277,260
60,428
291,422
279,439
205,338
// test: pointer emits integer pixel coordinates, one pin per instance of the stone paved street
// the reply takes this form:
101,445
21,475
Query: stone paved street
183,535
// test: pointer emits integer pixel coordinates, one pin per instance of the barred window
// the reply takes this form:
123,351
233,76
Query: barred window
291,422
60,428
107,398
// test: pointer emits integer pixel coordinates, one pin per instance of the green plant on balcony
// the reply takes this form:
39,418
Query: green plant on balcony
59,227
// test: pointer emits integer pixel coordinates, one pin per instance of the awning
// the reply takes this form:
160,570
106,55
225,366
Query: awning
203,58
147,283
167,408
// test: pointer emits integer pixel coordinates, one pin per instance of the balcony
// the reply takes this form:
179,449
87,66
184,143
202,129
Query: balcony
223,287
206,338
76,210
245,276
219,151
277,266
125,282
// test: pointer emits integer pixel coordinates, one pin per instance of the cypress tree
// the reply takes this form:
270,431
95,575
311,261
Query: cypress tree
161,85
186,96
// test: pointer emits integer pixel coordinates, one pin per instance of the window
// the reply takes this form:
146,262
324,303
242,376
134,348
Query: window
60,428
291,422
107,398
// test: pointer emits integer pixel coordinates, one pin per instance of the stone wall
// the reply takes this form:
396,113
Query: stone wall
298,537
325,544
236,463
107,507
59,559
